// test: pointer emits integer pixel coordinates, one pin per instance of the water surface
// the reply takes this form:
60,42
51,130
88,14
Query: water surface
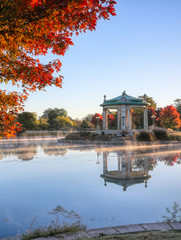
36,178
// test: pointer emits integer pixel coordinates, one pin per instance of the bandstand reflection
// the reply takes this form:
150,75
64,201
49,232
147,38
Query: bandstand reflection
130,170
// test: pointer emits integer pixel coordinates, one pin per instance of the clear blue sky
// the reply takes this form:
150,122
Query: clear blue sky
139,51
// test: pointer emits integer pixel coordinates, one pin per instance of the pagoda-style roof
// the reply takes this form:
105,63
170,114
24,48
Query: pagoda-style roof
124,99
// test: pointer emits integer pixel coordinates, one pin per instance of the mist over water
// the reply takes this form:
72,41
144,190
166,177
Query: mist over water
105,185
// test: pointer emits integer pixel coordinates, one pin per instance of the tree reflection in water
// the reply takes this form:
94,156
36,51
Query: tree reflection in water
119,166
137,157
133,168
171,159
54,151
28,150
22,151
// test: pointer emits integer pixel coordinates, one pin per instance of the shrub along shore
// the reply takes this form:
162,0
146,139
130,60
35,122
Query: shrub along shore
155,134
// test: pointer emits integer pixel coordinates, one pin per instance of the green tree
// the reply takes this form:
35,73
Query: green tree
65,123
51,114
137,117
149,100
88,117
77,123
28,120
43,124
86,124
177,105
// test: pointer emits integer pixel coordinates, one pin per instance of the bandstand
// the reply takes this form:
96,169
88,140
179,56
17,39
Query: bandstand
123,104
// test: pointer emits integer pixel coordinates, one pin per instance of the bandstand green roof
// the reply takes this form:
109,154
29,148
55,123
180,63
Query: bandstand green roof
124,99
125,183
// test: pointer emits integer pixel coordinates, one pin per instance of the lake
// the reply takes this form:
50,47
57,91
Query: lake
104,185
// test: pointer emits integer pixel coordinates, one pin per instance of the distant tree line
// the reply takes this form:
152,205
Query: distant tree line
52,119
58,119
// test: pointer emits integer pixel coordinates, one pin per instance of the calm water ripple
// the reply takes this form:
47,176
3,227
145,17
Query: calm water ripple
106,186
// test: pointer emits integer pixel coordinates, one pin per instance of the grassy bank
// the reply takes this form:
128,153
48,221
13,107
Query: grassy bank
29,134
153,235
52,231
156,134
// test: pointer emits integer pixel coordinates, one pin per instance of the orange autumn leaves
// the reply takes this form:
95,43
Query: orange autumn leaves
169,117
11,104
33,28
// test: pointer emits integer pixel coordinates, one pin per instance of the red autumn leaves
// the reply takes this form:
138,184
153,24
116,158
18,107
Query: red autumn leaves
169,117
11,104
33,28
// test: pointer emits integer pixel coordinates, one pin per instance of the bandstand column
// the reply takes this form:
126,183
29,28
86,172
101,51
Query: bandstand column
129,119
123,166
146,165
131,124
123,117
118,119
126,119
119,164
105,123
129,164
146,118
105,158
146,169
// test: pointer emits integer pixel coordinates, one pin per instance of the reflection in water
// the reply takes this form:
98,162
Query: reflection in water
21,151
53,151
171,159
28,150
26,154
133,167
134,162
167,153
128,173
76,184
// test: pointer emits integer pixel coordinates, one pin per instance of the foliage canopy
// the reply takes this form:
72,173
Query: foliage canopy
152,103
28,120
30,28
169,117
51,115
177,105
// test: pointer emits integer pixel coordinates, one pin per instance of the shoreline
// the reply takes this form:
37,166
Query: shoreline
112,231
116,231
